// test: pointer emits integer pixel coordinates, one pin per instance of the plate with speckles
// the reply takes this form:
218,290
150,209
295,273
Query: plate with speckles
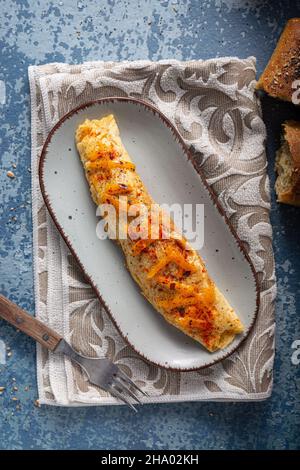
162,160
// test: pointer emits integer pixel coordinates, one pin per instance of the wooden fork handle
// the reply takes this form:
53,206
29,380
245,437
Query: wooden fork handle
28,324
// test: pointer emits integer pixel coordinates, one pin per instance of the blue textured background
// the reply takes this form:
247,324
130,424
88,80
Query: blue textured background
42,31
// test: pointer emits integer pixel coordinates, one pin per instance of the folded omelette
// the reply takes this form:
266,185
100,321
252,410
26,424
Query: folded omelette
170,274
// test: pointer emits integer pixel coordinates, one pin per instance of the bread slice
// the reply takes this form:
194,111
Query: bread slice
284,66
171,275
287,165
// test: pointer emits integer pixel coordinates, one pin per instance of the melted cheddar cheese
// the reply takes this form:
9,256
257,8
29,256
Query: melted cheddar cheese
171,275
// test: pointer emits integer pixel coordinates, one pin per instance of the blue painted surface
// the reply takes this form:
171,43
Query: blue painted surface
42,31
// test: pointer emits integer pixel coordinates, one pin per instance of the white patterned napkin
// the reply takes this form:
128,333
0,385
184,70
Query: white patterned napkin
213,106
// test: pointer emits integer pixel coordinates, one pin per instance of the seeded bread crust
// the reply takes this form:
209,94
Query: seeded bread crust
284,66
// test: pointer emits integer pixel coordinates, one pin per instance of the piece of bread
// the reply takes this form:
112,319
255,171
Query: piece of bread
284,66
171,275
287,185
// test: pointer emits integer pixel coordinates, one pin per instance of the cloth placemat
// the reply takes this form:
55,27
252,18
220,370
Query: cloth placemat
213,106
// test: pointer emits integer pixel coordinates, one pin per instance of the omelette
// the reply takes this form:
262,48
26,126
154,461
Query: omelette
170,273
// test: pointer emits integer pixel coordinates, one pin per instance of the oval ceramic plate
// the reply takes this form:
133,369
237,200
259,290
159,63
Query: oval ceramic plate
165,166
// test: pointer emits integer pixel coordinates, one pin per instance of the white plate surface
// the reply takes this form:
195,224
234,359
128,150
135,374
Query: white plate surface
162,163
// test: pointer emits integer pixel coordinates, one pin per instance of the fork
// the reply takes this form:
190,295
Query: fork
101,372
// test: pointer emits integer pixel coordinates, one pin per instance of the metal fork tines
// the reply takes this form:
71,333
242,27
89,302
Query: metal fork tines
122,385
106,375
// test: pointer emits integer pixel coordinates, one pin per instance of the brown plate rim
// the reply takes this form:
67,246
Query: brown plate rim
213,197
